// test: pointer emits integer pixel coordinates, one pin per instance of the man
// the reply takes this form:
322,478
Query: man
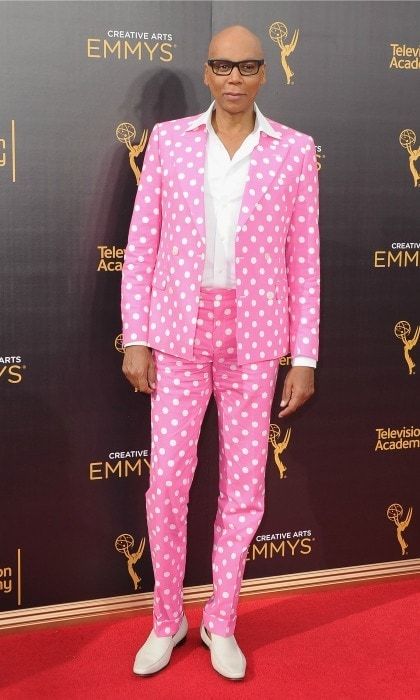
220,279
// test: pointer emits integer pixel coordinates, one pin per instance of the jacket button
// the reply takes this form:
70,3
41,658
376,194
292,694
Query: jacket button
268,257
175,250
270,295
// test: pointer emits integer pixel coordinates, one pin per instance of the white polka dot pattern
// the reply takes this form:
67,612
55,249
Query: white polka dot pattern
276,246
243,398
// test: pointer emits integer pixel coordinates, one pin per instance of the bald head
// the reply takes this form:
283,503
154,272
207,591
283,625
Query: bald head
234,92
236,40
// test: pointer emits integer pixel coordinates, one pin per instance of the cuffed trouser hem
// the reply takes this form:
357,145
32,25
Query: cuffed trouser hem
166,628
218,625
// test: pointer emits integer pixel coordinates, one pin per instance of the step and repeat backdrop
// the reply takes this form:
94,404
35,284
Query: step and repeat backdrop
83,84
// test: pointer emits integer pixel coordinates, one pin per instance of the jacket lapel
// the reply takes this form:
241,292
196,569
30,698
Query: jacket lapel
195,151
266,160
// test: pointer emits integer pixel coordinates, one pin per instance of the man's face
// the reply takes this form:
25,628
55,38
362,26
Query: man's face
234,93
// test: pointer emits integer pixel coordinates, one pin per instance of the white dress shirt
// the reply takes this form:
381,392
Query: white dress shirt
224,184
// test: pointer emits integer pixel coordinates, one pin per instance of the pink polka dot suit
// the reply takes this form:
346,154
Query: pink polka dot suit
225,341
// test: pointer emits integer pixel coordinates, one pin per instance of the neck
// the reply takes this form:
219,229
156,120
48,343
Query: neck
226,123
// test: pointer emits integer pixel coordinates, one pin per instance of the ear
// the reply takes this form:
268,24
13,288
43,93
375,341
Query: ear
263,74
205,74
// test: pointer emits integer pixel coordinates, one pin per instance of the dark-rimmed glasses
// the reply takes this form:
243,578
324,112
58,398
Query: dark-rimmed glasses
222,67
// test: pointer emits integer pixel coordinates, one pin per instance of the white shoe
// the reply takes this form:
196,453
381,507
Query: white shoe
226,656
156,651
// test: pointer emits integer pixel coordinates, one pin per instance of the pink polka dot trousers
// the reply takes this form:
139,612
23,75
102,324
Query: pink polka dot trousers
243,396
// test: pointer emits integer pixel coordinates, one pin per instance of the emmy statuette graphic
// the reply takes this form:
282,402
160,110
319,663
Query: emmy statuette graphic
123,544
407,139
401,331
118,343
277,33
125,132
394,513
279,446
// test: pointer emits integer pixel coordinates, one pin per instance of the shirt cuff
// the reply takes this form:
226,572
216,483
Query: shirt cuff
302,361
136,342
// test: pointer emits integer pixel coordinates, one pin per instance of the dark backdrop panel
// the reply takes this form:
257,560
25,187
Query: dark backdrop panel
75,437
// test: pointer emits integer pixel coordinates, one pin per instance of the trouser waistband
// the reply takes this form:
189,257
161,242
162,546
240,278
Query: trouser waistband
218,293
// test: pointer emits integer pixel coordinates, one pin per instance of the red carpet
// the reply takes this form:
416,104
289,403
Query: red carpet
359,641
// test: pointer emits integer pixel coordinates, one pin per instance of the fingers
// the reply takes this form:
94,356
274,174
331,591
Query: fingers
294,403
151,376
298,388
287,391
140,383
141,375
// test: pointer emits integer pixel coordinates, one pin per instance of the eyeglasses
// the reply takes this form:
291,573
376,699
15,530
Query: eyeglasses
221,67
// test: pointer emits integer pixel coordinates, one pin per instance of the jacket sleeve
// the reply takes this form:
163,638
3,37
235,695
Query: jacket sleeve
142,246
302,260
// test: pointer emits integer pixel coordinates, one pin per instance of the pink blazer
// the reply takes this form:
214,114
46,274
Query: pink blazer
276,246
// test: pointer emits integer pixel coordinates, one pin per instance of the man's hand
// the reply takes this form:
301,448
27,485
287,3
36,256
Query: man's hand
139,368
298,387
